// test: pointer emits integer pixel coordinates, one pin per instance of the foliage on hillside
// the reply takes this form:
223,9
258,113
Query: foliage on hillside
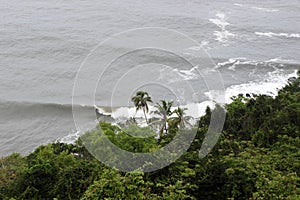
257,157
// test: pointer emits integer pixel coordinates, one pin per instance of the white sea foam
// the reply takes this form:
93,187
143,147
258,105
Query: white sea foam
216,96
177,75
127,112
196,110
237,4
220,21
281,60
188,74
257,8
269,86
265,9
200,47
223,35
229,61
70,138
233,62
271,34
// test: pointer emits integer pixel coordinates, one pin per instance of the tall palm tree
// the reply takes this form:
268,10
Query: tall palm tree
140,101
164,110
180,119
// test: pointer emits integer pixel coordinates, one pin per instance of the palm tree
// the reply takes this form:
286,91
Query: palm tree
141,102
180,119
164,110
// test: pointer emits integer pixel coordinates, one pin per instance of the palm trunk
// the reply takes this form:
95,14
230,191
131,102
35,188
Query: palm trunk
166,129
145,115
165,125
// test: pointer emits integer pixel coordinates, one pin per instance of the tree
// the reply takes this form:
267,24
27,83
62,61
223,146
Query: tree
180,119
141,102
164,110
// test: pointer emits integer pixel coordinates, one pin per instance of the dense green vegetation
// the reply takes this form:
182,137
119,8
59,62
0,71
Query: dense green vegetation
257,157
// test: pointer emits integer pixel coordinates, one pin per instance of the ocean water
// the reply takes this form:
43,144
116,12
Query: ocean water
254,44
